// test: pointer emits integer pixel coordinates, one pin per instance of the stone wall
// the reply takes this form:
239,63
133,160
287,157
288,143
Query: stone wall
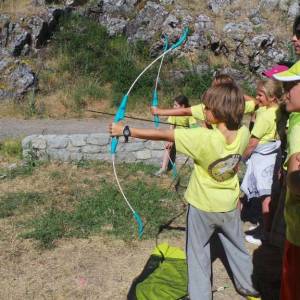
77,147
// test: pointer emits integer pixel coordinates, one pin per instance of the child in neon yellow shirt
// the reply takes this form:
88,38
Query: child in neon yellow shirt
262,151
213,188
197,111
290,288
176,122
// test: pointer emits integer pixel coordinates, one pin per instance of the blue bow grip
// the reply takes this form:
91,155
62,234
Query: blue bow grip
155,104
181,39
118,117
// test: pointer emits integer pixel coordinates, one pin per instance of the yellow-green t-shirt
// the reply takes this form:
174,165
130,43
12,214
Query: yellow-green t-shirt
198,110
249,106
182,121
265,127
214,185
292,205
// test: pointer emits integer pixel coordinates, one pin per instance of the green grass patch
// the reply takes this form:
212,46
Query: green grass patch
11,148
105,210
12,202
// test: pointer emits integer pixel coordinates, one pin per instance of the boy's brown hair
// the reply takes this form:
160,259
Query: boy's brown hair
226,102
222,79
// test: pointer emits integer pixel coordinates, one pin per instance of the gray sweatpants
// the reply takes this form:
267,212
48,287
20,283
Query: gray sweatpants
200,227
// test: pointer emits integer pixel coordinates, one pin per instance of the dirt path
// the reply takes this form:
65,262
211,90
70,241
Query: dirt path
17,128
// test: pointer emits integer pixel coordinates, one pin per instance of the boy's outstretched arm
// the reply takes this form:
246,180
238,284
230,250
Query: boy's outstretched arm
182,111
293,176
141,133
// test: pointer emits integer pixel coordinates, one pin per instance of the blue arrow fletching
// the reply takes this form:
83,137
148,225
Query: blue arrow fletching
140,224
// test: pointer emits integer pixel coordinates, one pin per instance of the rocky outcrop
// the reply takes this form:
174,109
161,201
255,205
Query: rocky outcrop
19,41
243,39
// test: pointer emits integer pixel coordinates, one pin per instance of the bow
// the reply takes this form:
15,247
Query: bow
119,116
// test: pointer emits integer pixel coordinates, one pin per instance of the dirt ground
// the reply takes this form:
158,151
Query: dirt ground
98,267
93,268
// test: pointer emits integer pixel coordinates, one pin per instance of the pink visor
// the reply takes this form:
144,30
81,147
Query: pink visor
276,69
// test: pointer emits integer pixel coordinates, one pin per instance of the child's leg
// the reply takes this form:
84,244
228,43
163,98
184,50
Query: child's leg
199,232
165,161
290,287
232,238
266,213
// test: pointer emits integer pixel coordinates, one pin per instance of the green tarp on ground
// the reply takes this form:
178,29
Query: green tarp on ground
164,276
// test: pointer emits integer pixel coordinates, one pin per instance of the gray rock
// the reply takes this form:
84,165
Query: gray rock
115,26
40,31
21,40
203,22
218,6
166,2
39,143
147,22
293,10
269,4
91,149
22,78
78,140
118,7
134,146
143,155
263,41
57,141
98,139
58,154
241,27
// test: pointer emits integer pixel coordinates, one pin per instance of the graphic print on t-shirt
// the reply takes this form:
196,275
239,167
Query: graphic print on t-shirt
224,168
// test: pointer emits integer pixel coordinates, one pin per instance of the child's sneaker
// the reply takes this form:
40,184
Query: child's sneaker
253,298
160,172
253,240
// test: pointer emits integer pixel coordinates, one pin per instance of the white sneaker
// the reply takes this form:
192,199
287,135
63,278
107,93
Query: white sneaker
252,227
252,240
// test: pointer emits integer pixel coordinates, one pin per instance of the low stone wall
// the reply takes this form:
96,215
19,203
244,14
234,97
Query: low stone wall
77,147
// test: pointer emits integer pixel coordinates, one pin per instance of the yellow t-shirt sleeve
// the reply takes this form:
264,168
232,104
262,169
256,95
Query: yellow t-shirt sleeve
171,120
192,122
261,127
294,137
190,141
249,107
198,112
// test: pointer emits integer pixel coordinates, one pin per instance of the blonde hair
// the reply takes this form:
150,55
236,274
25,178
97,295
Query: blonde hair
226,102
272,89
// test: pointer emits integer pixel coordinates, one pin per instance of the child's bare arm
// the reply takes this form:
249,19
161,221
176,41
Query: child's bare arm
141,133
182,111
253,142
293,176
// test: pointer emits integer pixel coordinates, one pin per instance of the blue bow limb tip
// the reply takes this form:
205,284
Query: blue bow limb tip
140,224
181,39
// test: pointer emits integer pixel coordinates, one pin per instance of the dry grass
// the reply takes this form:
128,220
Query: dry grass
17,8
